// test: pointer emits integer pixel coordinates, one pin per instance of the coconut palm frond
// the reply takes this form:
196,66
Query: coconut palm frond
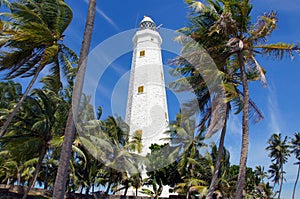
64,17
279,50
254,112
256,71
224,25
230,91
218,116
265,25
206,115
181,85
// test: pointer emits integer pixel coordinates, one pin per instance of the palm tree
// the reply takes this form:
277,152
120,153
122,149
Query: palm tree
217,117
34,128
136,182
262,189
157,187
15,170
157,176
31,38
109,141
86,171
186,143
274,171
44,126
225,30
42,117
223,179
183,136
206,170
48,168
279,152
10,93
60,181
217,165
296,151
260,173
213,118
125,153
10,168
126,182
192,185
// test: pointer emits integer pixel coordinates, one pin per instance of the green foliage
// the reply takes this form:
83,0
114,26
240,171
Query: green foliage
31,38
167,175
295,146
278,152
278,149
225,30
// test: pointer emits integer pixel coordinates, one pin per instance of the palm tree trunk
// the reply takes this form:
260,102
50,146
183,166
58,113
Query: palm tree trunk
19,178
125,192
188,194
46,183
296,181
36,172
64,161
62,172
245,130
8,181
281,181
19,104
213,183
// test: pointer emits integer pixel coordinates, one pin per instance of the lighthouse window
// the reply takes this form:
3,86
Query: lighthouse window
142,53
140,89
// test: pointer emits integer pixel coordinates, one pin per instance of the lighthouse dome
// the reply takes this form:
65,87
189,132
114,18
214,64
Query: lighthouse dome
147,23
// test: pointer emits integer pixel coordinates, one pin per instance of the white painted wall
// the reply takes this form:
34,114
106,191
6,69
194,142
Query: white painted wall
147,111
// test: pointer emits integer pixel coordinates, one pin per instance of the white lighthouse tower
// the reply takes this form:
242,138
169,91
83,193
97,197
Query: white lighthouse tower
147,104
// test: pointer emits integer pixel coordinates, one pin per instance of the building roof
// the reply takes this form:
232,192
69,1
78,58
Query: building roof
146,18
147,23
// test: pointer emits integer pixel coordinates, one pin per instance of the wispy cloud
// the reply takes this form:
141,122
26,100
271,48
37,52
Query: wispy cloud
273,110
119,96
104,92
107,18
234,154
120,70
234,125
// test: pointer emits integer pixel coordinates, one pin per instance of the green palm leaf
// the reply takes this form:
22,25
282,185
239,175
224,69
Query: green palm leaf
277,51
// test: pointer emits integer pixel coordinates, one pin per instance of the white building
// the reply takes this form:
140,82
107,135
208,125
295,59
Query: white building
147,109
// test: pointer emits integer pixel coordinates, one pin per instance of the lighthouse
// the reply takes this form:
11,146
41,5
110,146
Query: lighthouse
147,110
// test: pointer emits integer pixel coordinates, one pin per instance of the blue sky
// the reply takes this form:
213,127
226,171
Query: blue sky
279,102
